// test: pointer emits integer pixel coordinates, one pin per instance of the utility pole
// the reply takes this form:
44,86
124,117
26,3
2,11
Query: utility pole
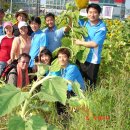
38,8
11,7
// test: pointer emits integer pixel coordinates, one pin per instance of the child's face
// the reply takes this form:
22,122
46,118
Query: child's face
9,29
50,22
45,59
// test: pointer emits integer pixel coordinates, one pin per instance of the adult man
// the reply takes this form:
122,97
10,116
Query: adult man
69,71
19,75
38,41
2,14
96,36
55,35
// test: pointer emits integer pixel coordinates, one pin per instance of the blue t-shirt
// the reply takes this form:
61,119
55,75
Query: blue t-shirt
38,40
1,30
72,73
54,37
96,33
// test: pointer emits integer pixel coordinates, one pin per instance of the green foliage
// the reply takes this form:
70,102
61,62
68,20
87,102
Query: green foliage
111,98
55,66
76,32
10,97
41,69
78,102
16,123
52,90
36,123
77,90
4,4
33,123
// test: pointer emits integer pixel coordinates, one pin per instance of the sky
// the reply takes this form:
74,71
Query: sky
127,3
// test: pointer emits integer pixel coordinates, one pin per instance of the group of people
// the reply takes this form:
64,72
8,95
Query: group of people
25,41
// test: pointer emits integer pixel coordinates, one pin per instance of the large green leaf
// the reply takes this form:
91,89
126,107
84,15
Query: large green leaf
42,69
55,66
82,55
16,123
10,97
54,89
76,15
66,41
36,123
33,123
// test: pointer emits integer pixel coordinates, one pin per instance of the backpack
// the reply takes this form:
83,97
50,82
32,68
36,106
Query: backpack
7,69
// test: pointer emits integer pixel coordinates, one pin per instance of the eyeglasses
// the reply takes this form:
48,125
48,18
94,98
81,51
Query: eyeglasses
23,62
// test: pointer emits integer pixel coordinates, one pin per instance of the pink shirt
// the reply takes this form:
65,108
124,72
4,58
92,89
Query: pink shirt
20,46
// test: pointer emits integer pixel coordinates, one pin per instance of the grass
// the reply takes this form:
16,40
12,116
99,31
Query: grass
110,99
109,104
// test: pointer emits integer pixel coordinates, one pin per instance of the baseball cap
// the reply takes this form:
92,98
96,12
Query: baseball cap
1,10
21,24
7,24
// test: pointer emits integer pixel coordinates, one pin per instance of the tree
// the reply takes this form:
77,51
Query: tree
4,4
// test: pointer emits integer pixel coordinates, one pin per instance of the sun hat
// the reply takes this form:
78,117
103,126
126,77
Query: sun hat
21,24
1,10
7,24
21,11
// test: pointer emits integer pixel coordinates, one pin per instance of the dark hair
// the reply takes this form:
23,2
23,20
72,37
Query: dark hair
45,52
35,19
24,55
1,10
50,15
95,6
64,51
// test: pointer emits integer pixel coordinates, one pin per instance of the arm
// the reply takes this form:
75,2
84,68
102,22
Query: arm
67,28
14,48
90,44
97,40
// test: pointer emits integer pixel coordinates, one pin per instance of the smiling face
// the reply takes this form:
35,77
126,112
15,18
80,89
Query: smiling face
45,59
63,60
23,30
21,17
50,22
93,15
23,63
35,26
